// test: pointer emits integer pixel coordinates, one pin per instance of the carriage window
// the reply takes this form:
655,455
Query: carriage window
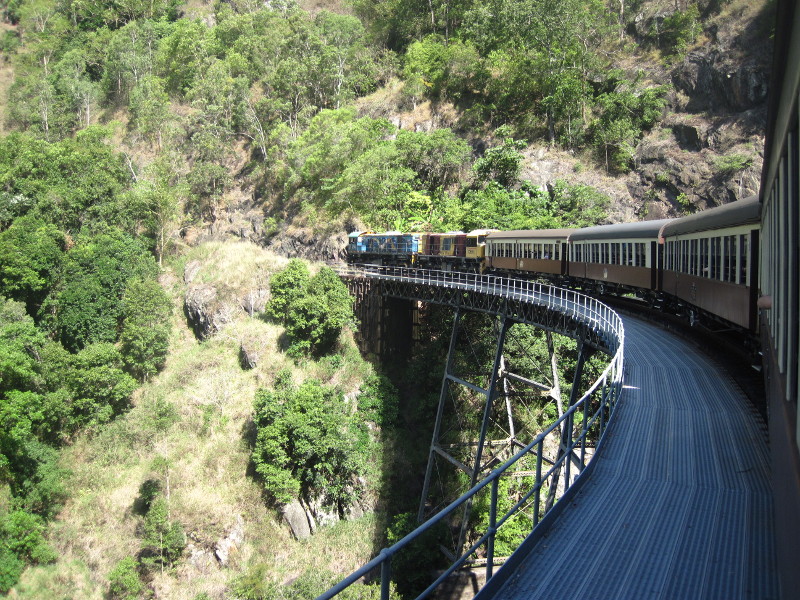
703,267
675,256
726,258
614,254
715,257
744,250
668,256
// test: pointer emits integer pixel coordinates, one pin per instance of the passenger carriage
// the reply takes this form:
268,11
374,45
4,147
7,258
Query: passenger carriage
617,257
710,261
542,251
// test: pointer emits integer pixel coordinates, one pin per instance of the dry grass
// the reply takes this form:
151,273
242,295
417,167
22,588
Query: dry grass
200,449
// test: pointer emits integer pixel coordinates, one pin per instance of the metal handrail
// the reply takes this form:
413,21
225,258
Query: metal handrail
609,386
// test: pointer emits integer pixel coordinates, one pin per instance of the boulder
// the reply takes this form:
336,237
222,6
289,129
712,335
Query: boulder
249,355
229,545
713,83
255,301
204,312
295,516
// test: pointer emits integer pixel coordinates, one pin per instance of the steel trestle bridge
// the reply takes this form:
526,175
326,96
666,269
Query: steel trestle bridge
578,434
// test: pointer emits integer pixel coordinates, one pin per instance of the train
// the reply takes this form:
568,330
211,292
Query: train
703,266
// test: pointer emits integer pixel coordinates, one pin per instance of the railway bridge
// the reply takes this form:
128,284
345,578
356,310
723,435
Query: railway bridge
679,505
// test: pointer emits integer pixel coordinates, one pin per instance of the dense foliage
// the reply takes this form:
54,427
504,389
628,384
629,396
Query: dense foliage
284,82
313,309
81,318
309,444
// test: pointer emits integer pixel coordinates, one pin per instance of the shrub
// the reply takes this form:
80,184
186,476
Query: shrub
308,443
677,31
286,287
730,164
146,311
11,568
313,310
378,400
124,580
163,541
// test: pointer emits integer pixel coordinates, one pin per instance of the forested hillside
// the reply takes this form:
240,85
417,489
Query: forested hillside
172,389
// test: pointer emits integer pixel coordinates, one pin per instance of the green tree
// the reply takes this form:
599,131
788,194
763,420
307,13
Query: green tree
308,444
31,252
21,542
623,117
85,306
71,183
577,205
438,157
287,287
124,580
130,56
99,386
674,33
184,54
144,340
315,320
78,91
155,204
163,540
20,344
11,568
150,109
378,400
503,163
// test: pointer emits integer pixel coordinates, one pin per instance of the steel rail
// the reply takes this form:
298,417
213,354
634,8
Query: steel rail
608,387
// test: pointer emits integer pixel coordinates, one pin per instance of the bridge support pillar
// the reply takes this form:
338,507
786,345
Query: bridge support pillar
386,325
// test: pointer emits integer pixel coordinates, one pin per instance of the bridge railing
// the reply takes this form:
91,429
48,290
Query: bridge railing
569,302
582,425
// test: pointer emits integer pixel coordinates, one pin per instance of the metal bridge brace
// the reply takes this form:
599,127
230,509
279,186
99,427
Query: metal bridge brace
437,427
487,413
584,352
499,384
489,393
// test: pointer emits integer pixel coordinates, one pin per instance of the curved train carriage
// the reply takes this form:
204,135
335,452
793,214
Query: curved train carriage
779,282
710,261
618,258
542,251
701,265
